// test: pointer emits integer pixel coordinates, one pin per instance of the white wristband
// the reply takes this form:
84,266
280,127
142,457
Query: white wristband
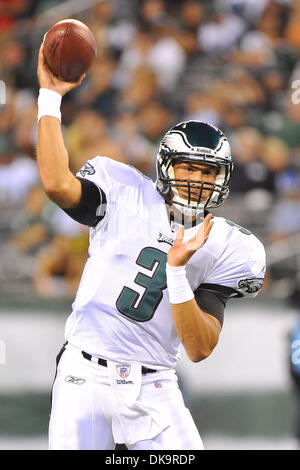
49,102
178,286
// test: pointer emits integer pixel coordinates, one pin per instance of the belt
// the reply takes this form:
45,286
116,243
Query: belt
103,362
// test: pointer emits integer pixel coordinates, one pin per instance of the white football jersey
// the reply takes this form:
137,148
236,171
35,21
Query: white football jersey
122,310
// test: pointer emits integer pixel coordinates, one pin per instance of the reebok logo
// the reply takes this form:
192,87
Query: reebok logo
74,380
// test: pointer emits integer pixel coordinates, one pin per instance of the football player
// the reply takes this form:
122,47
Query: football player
160,271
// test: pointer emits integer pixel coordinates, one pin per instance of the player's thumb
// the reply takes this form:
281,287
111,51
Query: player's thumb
41,54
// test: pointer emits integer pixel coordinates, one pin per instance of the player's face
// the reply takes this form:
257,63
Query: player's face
194,171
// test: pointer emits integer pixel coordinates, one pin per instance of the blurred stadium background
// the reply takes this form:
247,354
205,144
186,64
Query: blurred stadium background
234,63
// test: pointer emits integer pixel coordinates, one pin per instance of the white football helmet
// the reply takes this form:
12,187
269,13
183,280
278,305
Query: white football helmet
195,141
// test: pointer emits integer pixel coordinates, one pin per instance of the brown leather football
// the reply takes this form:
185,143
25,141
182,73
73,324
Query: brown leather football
69,49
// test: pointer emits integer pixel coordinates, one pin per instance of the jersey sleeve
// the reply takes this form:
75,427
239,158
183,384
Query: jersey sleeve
212,299
239,261
96,171
211,302
92,205
245,280
105,183
96,189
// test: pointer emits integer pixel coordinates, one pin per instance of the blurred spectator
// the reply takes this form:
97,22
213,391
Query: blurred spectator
9,12
25,128
255,50
276,156
134,56
17,173
7,112
288,129
292,32
220,35
167,57
160,53
31,229
151,12
112,33
204,106
141,90
88,137
233,118
153,120
284,220
249,10
273,22
250,171
273,80
59,263
16,62
138,150
239,87
191,16
98,90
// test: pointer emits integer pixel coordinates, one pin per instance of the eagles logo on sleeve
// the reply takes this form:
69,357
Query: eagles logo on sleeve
87,169
250,286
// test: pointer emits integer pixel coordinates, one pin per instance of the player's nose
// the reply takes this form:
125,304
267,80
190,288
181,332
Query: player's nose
197,176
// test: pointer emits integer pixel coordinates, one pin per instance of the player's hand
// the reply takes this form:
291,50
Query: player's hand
48,80
180,253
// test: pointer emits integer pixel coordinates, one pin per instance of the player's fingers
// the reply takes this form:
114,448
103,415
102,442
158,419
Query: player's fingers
81,79
207,232
179,236
41,54
197,240
42,64
207,225
207,220
203,233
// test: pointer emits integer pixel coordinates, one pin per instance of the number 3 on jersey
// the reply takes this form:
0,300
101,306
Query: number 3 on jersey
154,286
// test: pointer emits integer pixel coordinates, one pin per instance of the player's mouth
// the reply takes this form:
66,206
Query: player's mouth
194,196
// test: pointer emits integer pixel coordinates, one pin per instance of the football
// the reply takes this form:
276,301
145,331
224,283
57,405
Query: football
69,49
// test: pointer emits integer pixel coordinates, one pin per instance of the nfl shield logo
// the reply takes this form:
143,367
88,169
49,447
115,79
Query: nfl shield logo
123,370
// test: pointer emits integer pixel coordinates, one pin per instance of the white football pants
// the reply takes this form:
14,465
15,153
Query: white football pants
89,413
